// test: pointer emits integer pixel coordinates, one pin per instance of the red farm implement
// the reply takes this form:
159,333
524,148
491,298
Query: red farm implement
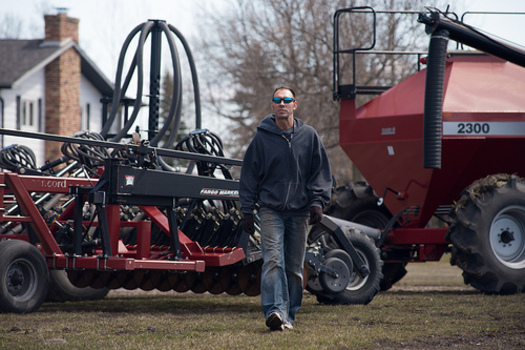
130,226
118,211
446,143
114,213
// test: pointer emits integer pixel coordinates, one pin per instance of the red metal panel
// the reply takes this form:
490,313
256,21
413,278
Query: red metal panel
409,236
188,246
143,239
54,184
22,237
217,256
29,208
75,263
473,86
384,138
113,215
140,258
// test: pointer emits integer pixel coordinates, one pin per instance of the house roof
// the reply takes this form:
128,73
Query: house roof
20,58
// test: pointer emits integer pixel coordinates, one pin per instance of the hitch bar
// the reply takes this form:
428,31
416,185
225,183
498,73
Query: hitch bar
335,231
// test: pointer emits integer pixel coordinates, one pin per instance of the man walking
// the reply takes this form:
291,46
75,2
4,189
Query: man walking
286,173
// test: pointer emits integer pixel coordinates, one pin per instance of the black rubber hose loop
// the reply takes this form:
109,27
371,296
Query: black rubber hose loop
140,81
118,78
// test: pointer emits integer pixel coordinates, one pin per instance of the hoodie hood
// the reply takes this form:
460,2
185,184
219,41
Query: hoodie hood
268,124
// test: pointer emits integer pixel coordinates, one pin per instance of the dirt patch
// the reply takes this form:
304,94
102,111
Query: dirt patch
433,288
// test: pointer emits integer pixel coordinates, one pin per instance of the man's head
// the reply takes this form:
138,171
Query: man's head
283,106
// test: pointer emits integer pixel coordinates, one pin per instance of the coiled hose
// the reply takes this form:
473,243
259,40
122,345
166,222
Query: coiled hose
16,157
174,116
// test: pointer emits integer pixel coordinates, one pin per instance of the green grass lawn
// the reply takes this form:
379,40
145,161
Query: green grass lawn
428,309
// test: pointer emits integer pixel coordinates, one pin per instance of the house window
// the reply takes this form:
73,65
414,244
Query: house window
88,115
18,112
85,116
24,114
29,115
40,119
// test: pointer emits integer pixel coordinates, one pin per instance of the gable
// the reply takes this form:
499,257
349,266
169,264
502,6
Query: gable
18,57
21,58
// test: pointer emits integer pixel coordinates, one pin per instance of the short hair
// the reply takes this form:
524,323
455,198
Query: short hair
282,87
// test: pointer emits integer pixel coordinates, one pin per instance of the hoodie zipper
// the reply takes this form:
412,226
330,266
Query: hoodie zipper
285,204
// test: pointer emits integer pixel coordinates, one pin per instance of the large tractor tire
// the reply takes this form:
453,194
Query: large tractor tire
488,234
23,277
62,290
357,202
359,290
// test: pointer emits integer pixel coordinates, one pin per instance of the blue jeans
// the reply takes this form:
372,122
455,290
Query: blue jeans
283,239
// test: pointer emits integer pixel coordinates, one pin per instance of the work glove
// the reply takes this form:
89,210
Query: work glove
248,224
316,214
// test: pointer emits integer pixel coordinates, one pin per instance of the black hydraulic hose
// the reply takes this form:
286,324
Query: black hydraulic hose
129,148
470,36
115,103
432,113
194,77
86,154
173,118
14,157
129,76
177,82
176,98
146,28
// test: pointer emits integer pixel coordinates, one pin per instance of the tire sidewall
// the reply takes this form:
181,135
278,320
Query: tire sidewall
367,250
469,233
492,204
61,289
11,251
362,208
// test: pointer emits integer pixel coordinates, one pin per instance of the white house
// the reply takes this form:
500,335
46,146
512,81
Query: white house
50,86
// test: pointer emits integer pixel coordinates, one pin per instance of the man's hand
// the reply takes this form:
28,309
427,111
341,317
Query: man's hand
316,214
248,224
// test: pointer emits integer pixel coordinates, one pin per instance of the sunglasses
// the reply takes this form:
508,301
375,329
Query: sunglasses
286,100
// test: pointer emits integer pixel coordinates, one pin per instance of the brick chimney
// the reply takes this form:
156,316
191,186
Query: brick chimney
62,82
60,27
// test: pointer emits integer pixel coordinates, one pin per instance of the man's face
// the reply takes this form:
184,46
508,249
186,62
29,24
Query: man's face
283,110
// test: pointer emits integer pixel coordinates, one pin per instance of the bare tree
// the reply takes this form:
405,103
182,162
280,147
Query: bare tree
28,26
10,27
258,45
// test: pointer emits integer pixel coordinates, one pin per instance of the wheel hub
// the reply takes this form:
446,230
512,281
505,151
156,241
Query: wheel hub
15,279
336,277
507,236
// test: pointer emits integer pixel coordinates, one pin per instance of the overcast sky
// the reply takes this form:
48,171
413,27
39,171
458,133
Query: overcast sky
105,24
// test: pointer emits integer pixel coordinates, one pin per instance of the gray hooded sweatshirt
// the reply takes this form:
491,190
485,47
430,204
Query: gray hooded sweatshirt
286,174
